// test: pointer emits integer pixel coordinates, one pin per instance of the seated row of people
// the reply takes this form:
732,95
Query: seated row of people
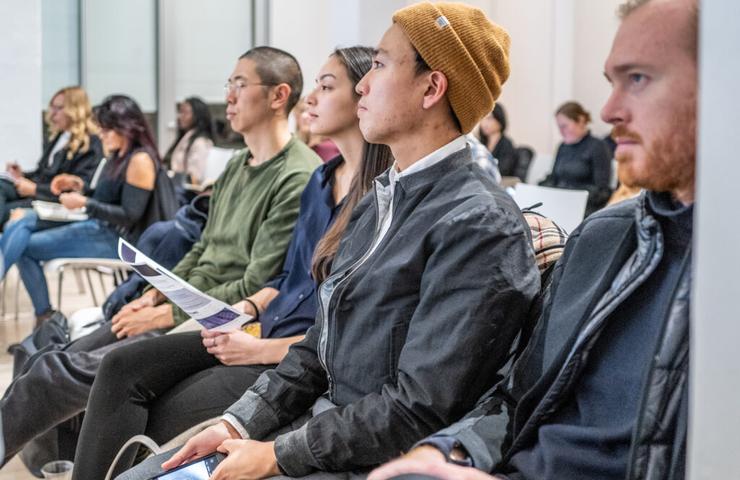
428,284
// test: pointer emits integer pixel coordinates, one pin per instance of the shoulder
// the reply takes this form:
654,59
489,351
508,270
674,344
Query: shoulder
607,224
300,158
141,160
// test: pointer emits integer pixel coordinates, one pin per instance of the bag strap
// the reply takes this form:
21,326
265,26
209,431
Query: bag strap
136,439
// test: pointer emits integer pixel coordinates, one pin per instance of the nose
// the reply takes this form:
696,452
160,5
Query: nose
362,86
613,111
311,97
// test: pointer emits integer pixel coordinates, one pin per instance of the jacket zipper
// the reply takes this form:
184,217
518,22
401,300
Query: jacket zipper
346,274
649,377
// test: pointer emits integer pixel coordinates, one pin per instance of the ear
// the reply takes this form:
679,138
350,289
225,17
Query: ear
280,95
436,89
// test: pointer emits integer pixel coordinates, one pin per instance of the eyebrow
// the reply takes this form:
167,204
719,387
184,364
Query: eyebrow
237,77
327,75
379,51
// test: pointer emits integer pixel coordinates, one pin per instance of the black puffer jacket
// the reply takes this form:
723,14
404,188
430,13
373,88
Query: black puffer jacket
408,336
605,259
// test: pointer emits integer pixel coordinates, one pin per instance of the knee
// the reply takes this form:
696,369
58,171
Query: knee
118,364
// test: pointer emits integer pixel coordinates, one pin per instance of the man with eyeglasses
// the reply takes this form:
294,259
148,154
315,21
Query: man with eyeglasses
253,210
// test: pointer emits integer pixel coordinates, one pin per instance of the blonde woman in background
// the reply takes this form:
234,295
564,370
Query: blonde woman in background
73,148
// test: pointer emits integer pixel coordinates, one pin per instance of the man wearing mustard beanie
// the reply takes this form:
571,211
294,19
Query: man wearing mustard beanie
432,281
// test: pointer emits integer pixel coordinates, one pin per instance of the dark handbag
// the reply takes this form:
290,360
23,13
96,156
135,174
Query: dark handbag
52,334
163,204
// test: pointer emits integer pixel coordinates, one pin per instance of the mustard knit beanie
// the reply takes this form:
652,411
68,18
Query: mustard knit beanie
460,41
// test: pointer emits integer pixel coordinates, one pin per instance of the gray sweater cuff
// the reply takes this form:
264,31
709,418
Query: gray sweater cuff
293,453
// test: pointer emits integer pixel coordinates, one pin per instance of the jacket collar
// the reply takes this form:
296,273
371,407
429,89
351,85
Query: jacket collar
415,181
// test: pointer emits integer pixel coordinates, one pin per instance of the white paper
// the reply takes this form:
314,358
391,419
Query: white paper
57,212
211,313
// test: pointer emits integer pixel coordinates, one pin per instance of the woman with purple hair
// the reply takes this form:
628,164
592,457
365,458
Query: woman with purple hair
115,203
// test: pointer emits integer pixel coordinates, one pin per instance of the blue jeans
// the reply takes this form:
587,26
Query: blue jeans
24,244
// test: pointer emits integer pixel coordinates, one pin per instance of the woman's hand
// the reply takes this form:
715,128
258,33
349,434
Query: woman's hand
246,460
73,200
202,444
234,348
66,183
25,187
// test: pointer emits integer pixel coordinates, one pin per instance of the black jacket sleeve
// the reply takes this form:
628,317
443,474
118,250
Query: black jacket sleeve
133,205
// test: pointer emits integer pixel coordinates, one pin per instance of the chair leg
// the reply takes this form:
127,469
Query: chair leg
103,292
92,290
17,295
78,279
60,278
2,305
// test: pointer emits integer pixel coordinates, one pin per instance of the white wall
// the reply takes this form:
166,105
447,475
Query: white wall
20,82
59,45
200,42
715,364
119,50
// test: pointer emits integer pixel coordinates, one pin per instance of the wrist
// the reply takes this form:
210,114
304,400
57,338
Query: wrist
255,307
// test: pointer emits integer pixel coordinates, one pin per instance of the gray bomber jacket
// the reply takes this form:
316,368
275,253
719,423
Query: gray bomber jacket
407,337
605,259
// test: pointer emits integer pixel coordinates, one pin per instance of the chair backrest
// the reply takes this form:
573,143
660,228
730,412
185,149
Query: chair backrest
565,207
216,163
524,156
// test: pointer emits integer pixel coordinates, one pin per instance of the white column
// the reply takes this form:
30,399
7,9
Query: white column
715,361
20,82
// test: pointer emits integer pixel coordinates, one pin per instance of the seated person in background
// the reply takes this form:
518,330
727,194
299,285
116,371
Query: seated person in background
200,375
492,133
74,148
431,283
323,146
188,154
583,161
602,390
252,213
116,207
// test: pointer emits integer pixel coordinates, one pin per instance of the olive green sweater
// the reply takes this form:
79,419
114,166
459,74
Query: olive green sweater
252,214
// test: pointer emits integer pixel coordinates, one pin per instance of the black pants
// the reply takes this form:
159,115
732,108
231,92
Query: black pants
160,387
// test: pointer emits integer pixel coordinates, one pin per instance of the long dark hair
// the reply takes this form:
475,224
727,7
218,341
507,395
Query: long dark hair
375,160
123,115
500,115
202,127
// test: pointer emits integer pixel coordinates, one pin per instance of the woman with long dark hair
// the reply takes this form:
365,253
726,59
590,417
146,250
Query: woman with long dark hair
115,202
201,374
188,154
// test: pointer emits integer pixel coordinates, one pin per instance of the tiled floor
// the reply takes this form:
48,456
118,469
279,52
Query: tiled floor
12,330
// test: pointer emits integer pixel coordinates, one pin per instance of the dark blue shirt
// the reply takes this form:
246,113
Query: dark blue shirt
590,437
293,311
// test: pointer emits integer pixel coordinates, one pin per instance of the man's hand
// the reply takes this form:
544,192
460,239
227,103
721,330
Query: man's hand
234,348
148,299
202,444
25,187
73,200
66,183
427,460
247,460
142,320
